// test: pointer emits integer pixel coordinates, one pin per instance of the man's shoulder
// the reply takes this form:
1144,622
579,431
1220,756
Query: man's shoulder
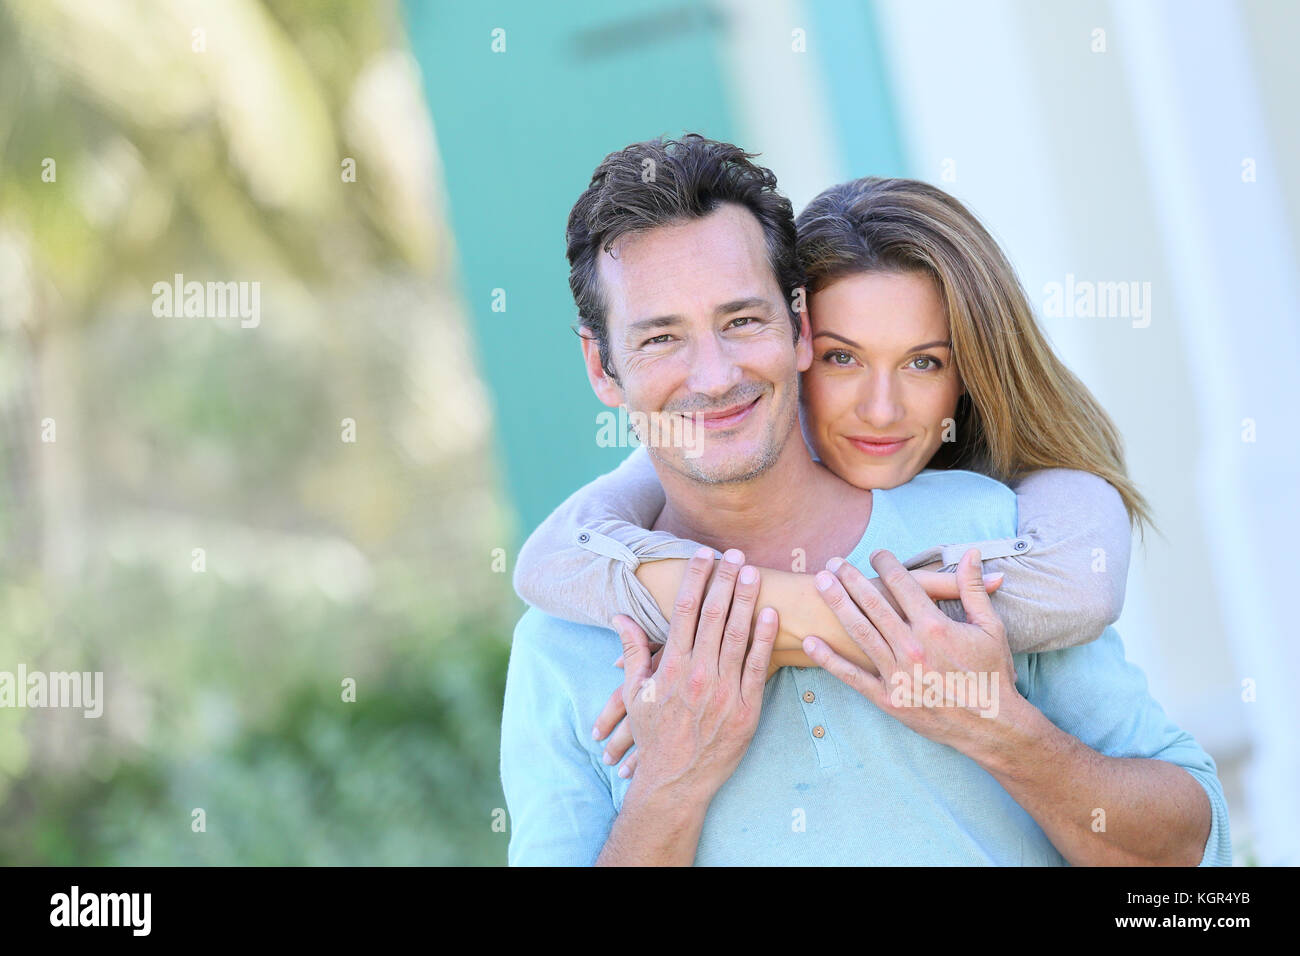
575,654
983,506
958,481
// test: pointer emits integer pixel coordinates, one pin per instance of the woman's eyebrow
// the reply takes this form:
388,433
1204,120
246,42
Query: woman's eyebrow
838,338
942,343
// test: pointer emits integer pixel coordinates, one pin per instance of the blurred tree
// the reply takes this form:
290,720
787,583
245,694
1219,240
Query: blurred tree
139,141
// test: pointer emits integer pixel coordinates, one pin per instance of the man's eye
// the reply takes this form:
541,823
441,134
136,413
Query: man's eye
657,340
747,319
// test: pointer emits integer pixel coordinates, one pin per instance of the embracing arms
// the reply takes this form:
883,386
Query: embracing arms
1064,587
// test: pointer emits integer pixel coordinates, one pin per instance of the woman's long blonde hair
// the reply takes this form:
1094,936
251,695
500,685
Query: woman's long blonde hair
1022,409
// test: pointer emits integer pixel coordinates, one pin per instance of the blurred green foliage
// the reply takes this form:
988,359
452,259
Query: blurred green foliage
321,559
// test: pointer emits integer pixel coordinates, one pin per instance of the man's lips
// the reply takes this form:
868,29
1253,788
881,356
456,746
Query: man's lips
727,417
878,446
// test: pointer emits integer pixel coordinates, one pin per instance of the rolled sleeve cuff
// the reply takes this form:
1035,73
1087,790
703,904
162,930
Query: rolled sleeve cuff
1218,846
629,548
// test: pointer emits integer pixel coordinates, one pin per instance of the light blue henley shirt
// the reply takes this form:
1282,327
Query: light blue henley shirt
829,779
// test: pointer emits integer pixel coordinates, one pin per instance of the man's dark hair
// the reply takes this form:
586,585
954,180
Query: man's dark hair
657,183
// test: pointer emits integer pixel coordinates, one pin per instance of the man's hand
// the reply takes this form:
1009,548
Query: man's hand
614,714
1160,814
945,680
611,721
694,716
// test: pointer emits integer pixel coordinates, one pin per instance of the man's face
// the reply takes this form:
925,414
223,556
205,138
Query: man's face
700,336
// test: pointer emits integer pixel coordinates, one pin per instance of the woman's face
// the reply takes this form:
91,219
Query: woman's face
882,380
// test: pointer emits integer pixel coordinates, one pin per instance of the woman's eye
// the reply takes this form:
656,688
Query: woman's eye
838,357
930,363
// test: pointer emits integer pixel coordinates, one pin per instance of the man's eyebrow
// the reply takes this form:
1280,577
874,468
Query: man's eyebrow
739,305
658,322
663,321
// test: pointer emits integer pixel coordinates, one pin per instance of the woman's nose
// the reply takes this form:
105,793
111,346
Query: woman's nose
879,403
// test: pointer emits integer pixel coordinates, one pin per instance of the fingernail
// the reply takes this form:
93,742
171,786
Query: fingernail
608,757
733,556
809,644
624,771
993,578
704,553
767,615
833,564
595,732
747,575
824,580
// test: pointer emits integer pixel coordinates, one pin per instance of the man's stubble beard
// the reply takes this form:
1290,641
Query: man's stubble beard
784,424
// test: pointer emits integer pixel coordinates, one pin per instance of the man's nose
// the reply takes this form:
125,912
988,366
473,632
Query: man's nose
714,370
880,401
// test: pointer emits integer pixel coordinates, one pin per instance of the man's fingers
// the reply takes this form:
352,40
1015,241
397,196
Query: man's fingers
875,599
974,597
629,765
754,675
619,743
943,586
735,637
903,587
609,716
636,653
686,607
858,625
713,615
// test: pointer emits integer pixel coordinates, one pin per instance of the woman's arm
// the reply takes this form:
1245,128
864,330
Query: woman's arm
1068,586
1063,590
800,609
578,563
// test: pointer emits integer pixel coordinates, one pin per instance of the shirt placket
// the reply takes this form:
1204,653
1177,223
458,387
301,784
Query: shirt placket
808,685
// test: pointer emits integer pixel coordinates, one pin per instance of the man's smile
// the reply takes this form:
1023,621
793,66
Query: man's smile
727,417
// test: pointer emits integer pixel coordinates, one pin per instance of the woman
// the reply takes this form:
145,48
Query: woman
926,356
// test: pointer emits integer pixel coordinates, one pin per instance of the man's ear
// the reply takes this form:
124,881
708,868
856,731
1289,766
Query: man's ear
606,389
803,351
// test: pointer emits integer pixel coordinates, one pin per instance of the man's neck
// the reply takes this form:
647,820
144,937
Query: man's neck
797,503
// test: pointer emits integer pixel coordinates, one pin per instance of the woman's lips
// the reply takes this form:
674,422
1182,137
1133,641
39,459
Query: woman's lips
880,449
728,421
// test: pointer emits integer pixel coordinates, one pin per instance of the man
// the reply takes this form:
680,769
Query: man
698,256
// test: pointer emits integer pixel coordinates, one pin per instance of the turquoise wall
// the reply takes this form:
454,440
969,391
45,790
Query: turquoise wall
519,134
520,131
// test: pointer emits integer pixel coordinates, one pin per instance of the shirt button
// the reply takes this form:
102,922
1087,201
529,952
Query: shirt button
819,731
809,697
